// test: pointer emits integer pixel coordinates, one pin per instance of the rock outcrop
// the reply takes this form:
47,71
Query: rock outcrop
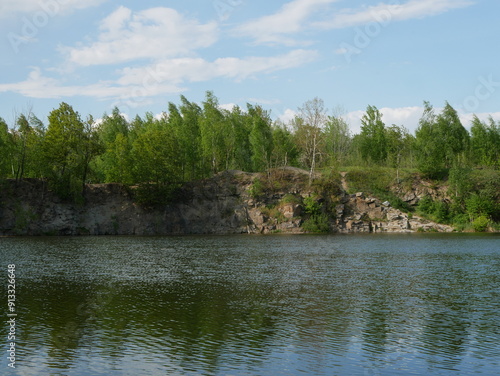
228,203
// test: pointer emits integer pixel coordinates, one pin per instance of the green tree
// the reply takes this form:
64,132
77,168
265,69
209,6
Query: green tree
454,138
338,139
485,142
399,146
373,141
430,156
5,149
114,163
189,137
64,151
441,141
213,134
240,126
285,151
261,137
156,160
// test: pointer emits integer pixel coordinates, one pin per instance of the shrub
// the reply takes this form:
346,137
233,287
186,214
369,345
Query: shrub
317,224
291,199
312,206
257,188
479,205
480,224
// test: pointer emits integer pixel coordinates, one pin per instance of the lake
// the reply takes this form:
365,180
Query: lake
377,304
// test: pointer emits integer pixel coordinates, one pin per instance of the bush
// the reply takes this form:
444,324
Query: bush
312,206
291,199
436,210
317,224
479,205
481,224
257,189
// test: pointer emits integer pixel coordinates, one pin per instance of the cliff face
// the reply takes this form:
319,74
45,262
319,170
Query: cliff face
232,202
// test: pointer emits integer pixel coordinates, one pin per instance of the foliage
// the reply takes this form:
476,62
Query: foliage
373,140
256,189
291,199
318,223
441,141
480,224
190,141
312,206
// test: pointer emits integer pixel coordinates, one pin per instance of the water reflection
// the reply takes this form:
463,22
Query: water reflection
257,305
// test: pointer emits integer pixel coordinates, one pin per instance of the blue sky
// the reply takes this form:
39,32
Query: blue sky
96,54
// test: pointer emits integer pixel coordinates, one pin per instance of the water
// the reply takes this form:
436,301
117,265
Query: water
251,305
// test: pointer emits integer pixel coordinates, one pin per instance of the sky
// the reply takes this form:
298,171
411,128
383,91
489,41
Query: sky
141,55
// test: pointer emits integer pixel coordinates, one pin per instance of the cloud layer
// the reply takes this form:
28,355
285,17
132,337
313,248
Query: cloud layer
149,34
10,7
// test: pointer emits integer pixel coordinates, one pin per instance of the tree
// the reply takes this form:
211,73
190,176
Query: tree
156,160
261,137
64,151
485,142
399,145
373,141
5,149
26,139
240,125
114,162
311,120
285,152
189,137
440,141
453,136
213,134
429,155
337,139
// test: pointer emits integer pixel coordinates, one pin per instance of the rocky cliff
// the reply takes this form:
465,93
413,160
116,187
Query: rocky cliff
231,202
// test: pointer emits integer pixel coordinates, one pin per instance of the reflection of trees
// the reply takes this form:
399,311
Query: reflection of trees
322,305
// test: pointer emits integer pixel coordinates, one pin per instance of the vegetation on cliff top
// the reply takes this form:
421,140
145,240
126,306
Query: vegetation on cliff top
194,141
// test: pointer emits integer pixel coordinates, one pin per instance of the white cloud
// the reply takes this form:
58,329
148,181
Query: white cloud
228,106
51,7
290,19
409,117
149,34
466,118
401,116
295,16
39,86
384,13
287,116
197,69
165,77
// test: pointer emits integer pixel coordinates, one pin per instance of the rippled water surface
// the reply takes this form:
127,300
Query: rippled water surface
250,305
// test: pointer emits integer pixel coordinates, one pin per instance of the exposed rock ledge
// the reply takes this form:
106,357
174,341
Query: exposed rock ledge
220,205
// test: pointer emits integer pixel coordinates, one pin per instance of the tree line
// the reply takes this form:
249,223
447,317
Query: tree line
192,141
